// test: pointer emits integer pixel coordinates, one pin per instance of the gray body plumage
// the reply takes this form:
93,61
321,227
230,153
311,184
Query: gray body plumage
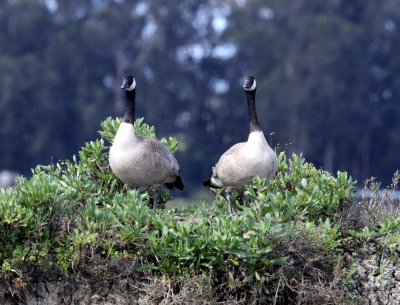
141,161
240,164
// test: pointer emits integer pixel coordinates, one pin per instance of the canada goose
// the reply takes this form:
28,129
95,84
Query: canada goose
137,160
240,164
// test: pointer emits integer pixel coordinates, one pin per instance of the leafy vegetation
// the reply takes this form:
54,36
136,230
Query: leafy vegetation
74,212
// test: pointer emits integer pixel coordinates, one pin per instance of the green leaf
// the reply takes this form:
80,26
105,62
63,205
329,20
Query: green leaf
279,261
232,283
248,278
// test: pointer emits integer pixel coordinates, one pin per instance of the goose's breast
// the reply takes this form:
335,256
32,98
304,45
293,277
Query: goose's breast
137,166
260,156
125,164
255,161
262,163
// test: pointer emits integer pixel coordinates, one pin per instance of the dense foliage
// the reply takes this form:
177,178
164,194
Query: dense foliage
72,211
327,75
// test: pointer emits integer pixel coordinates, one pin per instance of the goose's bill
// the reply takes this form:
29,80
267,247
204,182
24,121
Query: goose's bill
247,84
124,84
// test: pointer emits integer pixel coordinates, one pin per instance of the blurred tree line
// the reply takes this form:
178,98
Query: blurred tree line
328,76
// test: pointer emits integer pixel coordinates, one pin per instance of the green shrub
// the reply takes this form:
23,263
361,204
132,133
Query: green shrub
82,197
300,190
74,210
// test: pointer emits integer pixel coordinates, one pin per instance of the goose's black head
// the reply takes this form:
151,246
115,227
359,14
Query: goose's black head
249,83
128,83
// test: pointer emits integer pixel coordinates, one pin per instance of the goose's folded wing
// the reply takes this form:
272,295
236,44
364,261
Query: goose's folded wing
228,162
159,155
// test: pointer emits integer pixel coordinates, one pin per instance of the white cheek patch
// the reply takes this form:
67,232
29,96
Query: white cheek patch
133,86
252,87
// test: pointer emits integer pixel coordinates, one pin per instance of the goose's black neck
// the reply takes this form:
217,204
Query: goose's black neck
129,116
251,102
